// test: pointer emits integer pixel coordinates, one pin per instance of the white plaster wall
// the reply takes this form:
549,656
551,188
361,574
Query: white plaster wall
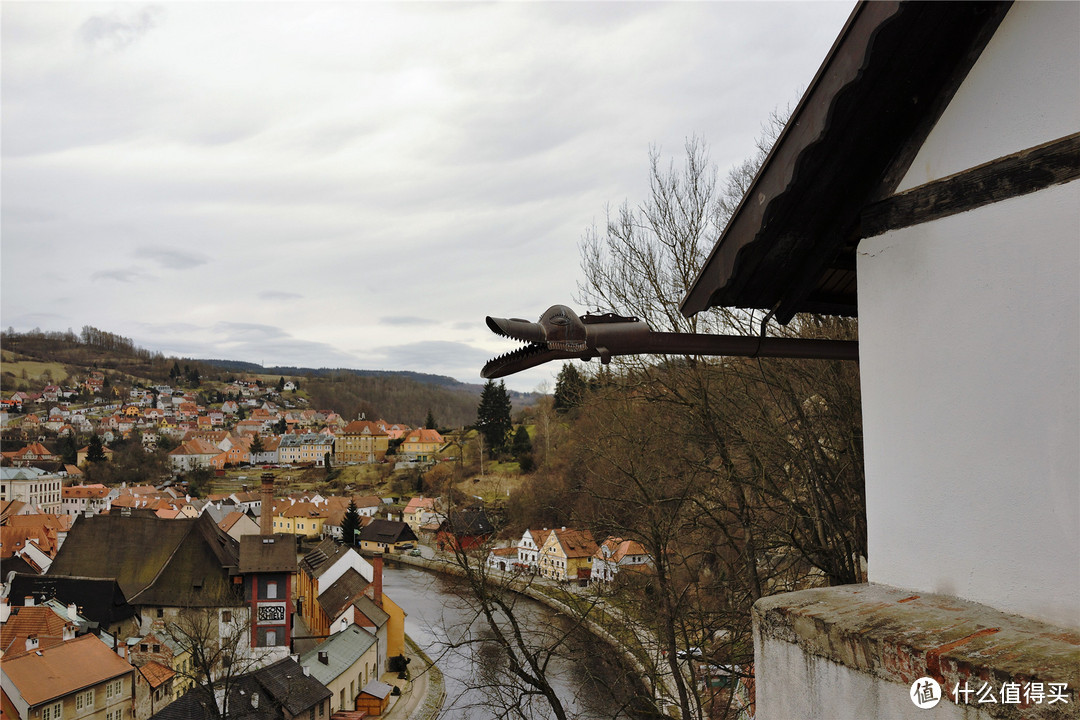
969,347
791,685
1023,91
351,559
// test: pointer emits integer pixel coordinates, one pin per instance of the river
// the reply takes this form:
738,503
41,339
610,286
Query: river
589,683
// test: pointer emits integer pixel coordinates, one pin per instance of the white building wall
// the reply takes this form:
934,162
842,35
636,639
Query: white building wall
1023,91
969,345
793,685
351,559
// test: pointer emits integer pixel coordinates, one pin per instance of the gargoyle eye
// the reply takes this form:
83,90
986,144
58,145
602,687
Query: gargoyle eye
560,319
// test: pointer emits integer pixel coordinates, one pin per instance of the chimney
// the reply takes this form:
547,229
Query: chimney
28,601
69,631
266,515
5,610
376,577
324,657
73,612
31,643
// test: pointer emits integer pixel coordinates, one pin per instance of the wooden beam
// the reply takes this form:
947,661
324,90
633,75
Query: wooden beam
1010,176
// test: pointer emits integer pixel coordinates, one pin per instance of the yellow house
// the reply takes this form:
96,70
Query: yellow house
81,678
567,555
361,441
345,662
422,444
302,518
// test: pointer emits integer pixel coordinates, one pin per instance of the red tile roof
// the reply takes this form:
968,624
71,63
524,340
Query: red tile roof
155,673
60,670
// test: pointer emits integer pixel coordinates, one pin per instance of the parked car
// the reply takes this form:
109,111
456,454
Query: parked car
690,653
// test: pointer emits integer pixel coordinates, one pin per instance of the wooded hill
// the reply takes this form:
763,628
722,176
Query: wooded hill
35,359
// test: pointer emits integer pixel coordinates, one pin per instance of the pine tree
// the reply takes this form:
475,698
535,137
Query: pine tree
522,449
257,447
350,524
430,422
493,415
95,451
281,384
569,388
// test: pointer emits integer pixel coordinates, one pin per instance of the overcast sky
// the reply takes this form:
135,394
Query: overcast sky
354,184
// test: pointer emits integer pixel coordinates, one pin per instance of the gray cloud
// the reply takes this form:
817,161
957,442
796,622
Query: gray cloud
115,32
119,275
406,320
170,259
279,295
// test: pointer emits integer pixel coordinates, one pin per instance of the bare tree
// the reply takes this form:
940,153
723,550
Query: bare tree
760,478
516,654
217,642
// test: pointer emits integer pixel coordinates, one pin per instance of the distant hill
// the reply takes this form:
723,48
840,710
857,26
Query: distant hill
35,359
255,368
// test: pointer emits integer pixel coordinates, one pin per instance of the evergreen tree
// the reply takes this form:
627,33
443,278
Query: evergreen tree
569,388
257,446
430,422
522,449
350,524
493,415
69,449
95,451
281,384
522,443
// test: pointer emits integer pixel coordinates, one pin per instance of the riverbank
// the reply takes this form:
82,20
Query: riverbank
535,589
423,694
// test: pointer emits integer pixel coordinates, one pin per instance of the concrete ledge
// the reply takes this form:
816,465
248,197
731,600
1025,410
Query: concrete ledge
899,636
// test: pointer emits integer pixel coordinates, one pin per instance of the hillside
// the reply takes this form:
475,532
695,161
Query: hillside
30,361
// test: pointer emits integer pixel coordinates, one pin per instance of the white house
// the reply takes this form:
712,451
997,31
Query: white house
615,554
935,159
529,548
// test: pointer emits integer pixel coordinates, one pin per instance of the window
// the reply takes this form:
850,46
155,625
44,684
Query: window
144,647
271,590
226,616
114,689
52,712
271,638
84,700
160,612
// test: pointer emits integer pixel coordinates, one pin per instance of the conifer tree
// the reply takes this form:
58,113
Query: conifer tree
493,415
350,523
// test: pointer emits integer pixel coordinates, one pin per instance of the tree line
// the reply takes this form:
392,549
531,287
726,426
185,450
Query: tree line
740,477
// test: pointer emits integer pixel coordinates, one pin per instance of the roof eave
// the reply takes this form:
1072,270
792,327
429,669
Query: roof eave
882,86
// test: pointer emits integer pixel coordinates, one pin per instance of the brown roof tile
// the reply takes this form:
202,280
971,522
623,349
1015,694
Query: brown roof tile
62,669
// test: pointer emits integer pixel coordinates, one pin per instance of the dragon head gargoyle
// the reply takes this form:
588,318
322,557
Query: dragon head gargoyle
561,334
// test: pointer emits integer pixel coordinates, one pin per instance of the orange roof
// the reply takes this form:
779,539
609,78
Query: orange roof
304,509
85,491
357,427
24,622
426,435
576,543
155,673
62,669
619,548
420,503
229,520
